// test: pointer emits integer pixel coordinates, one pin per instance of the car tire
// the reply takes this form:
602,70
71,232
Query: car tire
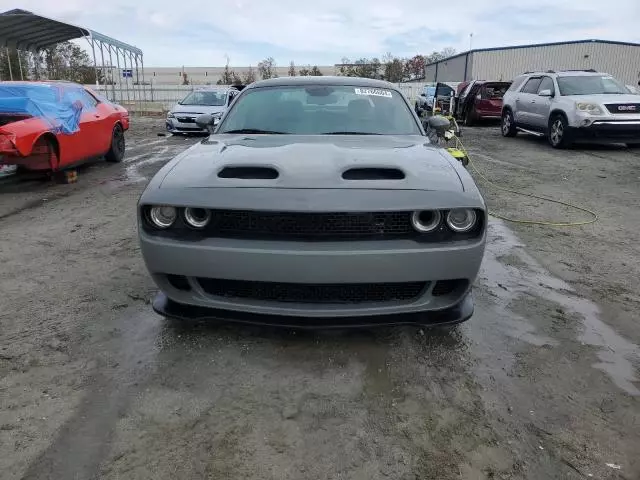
508,127
117,149
558,132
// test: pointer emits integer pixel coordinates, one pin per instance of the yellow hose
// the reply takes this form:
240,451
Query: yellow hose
593,214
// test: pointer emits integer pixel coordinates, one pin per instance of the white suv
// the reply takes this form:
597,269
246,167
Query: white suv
572,106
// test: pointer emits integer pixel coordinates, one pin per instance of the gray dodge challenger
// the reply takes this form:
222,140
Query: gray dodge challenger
315,202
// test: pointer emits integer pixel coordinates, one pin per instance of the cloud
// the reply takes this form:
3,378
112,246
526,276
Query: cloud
202,32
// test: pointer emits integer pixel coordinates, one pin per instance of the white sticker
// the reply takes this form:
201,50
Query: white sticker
373,91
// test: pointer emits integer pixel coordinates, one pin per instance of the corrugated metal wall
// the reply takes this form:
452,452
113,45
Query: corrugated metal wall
621,61
451,70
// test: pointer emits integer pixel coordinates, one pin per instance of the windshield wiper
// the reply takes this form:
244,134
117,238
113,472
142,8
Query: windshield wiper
253,130
349,133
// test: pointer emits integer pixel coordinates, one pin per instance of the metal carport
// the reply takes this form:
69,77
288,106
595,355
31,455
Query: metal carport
33,33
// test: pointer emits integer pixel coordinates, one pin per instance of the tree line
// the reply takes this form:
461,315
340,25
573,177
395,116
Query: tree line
391,68
267,68
64,61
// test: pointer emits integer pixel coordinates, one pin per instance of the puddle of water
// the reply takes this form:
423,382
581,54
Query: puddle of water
508,282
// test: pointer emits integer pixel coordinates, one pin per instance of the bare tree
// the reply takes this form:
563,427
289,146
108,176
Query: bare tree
249,76
229,77
315,71
394,69
292,69
267,68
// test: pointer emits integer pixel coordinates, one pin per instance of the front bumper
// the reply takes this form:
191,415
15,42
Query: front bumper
608,131
174,125
311,264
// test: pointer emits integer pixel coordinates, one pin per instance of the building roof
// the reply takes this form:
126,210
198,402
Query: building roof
323,80
534,45
27,31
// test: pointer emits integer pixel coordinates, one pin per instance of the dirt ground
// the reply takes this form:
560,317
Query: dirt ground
541,383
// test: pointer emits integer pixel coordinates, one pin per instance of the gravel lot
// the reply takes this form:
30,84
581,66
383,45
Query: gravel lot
543,382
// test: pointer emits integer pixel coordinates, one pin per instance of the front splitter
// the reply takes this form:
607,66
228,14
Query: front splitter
451,316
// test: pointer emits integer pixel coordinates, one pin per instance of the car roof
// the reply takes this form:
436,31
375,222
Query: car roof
213,88
568,73
322,80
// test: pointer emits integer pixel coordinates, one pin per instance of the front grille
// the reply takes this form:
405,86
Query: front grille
186,120
310,225
328,293
623,108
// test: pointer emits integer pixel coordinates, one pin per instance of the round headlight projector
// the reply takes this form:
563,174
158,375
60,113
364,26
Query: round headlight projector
163,216
461,220
197,217
425,221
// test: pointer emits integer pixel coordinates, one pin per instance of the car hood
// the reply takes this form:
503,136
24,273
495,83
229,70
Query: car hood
607,98
316,162
197,109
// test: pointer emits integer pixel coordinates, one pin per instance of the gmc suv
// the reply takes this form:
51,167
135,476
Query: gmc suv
572,106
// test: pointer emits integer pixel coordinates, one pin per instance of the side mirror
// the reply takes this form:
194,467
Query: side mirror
204,121
545,93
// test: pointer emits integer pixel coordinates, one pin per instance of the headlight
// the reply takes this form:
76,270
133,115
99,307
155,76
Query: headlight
461,220
170,115
163,216
590,108
425,221
197,217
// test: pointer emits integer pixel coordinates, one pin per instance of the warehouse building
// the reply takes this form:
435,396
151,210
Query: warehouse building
620,59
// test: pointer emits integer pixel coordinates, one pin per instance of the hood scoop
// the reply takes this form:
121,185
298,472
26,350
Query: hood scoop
376,173
249,173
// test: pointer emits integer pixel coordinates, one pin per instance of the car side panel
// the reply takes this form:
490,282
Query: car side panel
25,133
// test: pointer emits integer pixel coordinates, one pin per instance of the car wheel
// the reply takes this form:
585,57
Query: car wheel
116,152
558,133
508,124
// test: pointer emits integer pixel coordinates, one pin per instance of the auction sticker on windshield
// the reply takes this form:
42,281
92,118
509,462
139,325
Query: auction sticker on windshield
373,91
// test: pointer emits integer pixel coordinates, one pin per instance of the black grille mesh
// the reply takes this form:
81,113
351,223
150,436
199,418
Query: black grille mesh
313,293
623,108
306,225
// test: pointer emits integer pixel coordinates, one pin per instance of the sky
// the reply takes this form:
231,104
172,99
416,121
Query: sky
206,32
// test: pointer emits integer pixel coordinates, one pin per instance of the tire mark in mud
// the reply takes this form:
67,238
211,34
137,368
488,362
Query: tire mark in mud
84,441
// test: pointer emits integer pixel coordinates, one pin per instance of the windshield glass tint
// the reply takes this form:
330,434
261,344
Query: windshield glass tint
590,85
317,110
211,99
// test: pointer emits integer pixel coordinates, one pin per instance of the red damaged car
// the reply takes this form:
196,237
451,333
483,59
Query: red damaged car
55,125
480,99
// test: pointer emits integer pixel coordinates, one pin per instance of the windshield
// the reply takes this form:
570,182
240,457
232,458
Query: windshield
590,85
430,91
318,110
205,98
